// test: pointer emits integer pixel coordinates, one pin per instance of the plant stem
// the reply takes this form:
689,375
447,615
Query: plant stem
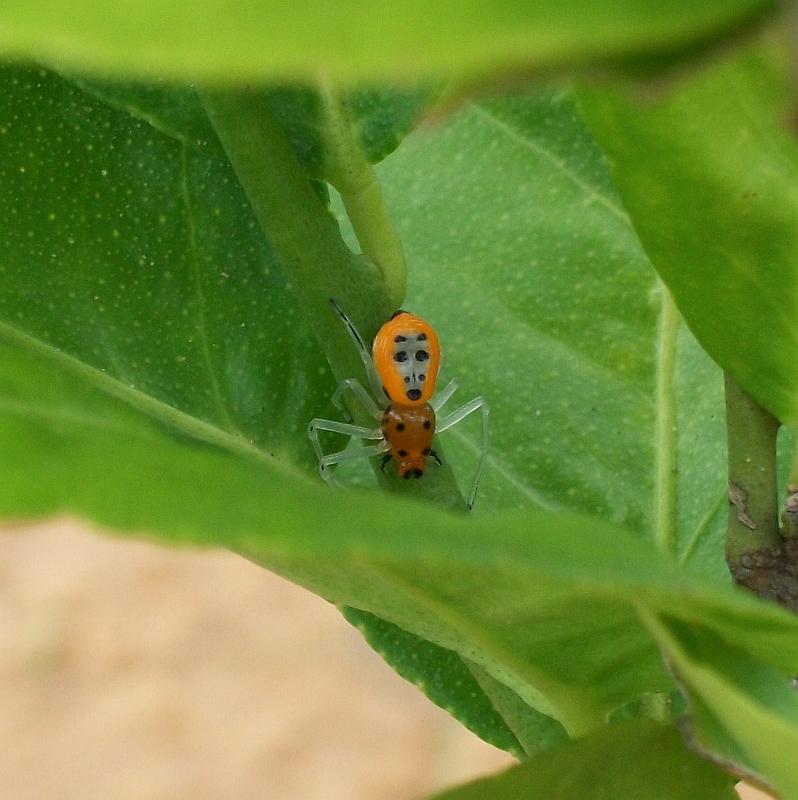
317,263
751,432
790,515
351,173
303,234
755,552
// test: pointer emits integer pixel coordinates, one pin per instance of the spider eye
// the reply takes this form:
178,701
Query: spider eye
401,453
422,355
400,356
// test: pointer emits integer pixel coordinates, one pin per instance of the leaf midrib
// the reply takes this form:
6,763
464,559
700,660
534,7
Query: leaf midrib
202,321
665,424
156,409
543,152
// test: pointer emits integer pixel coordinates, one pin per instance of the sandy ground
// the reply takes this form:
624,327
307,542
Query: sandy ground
133,672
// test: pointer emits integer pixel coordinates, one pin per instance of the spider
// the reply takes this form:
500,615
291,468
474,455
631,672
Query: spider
403,366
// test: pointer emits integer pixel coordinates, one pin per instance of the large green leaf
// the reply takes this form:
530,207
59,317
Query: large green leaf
621,411
517,593
553,280
117,249
522,254
640,760
480,702
709,174
352,38
381,116
743,712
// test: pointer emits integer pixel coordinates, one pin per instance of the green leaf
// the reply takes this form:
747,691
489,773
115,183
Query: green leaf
535,731
381,116
517,593
351,39
708,172
744,712
513,279
333,137
481,703
117,249
548,306
551,224
640,759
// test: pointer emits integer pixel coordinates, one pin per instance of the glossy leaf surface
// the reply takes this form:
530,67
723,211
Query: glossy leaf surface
155,377
708,171
640,760
241,40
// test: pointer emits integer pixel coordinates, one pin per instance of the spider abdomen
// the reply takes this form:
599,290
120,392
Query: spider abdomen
409,430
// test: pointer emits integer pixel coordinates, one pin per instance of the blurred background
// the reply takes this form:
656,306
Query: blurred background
130,671
135,672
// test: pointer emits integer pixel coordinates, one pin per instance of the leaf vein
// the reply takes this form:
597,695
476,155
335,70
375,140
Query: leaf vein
665,424
202,324
545,153
141,401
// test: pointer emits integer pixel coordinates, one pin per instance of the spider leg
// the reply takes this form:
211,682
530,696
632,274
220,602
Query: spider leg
366,400
328,459
460,414
363,351
443,396
325,462
334,426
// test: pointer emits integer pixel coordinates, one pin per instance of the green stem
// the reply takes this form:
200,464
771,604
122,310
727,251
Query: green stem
759,556
317,263
300,230
792,483
753,519
351,173
790,515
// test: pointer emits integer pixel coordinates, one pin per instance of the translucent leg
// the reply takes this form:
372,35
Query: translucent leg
460,414
438,401
334,426
360,393
325,462
363,351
